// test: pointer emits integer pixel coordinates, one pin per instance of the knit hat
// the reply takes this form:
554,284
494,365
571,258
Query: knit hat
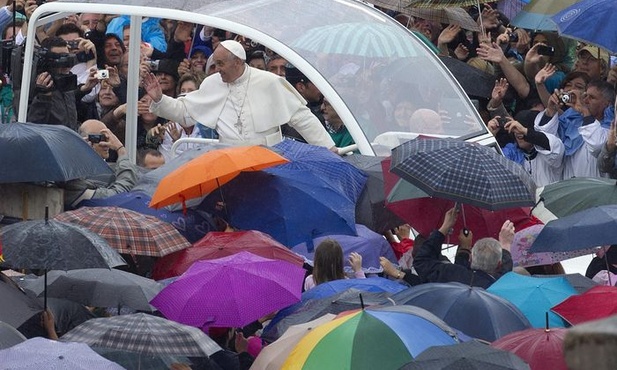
235,48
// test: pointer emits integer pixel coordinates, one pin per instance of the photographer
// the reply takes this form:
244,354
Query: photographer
56,88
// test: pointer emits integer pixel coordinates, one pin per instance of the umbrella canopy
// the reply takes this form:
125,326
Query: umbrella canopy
33,152
330,167
274,355
522,256
534,296
128,231
467,355
589,228
371,209
597,303
15,306
372,40
211,170
573,195
374,338
41,353
367,243
143,333
292,206
55,245
192,224
463,172
230,292
222,244
589,21
471,310
450,15
579,282
536,15
97,287
475,82
139,361
9,336
311,309
540,348
373,284
440,4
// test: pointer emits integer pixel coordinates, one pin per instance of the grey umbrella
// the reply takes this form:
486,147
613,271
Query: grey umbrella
371,208
15,306
9,336
97,287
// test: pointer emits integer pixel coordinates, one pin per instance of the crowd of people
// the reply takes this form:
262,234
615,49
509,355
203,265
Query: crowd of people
551,110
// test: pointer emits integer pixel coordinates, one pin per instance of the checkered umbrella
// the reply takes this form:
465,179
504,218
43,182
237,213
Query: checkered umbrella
128,231
463,172
145,334
439,4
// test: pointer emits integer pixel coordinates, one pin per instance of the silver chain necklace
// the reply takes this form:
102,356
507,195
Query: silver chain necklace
238,124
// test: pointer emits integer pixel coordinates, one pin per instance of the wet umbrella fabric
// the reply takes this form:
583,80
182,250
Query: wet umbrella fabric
474,82
579,282
230,292
534,296
128,231
292,206
9,336
374,338
371,209
16,307
330,167
367,243
222,244
55,245
472,310
573,195
40,353
467,355
589,228
451,15
440,4
536,15
463,172
597,303
143,333
540,348
589,21
98,288
192,224
36,152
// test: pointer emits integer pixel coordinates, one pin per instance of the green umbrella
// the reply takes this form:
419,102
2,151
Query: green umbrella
566,197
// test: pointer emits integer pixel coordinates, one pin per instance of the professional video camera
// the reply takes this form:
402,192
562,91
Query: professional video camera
52,62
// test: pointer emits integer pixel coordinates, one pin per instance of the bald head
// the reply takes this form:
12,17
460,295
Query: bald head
95,127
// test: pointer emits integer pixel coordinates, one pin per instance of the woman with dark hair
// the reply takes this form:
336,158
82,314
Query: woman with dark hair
328,264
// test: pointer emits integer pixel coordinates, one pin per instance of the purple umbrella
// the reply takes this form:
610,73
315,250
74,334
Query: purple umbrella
231,291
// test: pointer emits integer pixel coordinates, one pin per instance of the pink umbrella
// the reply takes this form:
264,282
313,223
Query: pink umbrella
230,292
522,256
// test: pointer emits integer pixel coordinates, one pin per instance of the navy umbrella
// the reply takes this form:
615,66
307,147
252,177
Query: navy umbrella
589,228
463,172
472,310
292,206
35,153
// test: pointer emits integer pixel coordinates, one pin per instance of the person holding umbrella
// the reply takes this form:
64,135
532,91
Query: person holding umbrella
328,264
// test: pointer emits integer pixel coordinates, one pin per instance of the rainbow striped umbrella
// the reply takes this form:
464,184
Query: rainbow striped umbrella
375,338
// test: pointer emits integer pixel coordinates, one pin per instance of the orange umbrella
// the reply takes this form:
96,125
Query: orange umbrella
211,170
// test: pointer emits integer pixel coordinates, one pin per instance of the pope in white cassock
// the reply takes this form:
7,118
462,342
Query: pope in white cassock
245,105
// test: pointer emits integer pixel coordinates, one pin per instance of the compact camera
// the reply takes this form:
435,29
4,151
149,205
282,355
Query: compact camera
565,97
96,138
102,74
513,37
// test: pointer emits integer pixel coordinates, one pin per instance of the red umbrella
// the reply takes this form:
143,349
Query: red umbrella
222,244
540,348
596,303
426,214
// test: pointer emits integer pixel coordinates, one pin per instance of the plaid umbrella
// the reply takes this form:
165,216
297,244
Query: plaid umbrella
463,172
143,333
440,4
453,15
128,231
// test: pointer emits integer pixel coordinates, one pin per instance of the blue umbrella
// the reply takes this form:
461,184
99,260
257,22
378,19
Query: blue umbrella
472,310
374,284
368,243
589,228
534,296
325,164
193,225
292,206
590,21
536,15
33,152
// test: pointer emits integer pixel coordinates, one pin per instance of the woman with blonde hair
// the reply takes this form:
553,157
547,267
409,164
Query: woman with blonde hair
328,264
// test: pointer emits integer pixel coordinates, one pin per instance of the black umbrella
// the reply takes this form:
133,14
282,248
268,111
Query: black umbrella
35,152
475,82
466,355
54,245
15,306
371,208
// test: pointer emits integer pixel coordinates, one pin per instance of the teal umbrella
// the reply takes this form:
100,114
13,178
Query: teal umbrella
573,195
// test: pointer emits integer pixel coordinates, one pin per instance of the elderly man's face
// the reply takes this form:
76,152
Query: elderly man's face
229,67
95,128
595,102
113,51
